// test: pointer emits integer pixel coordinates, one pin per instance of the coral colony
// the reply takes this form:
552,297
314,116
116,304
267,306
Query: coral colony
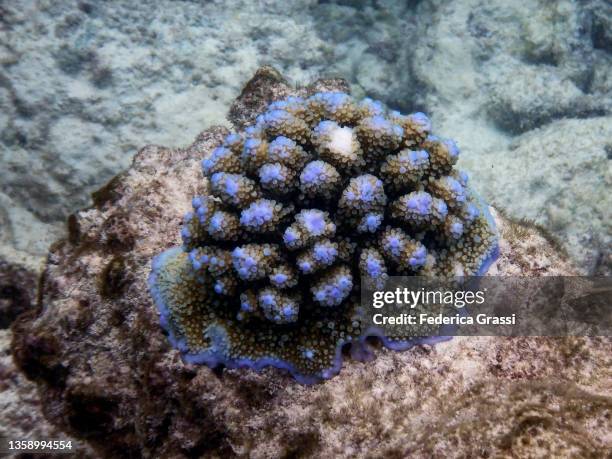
317,194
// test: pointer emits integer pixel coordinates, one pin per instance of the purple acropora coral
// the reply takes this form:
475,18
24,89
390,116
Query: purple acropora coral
316,195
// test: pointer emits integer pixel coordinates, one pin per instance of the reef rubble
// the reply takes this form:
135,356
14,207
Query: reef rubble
106,373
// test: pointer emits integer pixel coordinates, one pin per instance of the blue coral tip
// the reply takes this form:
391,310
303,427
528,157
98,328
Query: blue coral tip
196,202
422,119
453,149
309,354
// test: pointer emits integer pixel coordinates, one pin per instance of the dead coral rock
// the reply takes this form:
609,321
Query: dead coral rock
20,406
17,292
20,403
110,376
268,85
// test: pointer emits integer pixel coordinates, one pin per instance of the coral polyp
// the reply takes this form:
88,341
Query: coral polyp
316,195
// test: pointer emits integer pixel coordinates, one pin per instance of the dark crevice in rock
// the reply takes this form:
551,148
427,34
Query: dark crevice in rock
17,292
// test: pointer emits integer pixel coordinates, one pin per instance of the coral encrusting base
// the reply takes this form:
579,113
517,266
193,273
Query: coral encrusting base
318,194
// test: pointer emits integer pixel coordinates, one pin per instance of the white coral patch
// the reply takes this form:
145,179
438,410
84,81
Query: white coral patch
341,141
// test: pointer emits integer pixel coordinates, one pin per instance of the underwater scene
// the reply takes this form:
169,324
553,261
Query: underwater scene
197,196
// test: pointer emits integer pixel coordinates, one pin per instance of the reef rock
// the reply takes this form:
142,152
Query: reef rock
17,291
108,374
572,156
20,406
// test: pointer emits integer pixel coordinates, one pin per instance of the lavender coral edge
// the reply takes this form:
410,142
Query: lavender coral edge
296,212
